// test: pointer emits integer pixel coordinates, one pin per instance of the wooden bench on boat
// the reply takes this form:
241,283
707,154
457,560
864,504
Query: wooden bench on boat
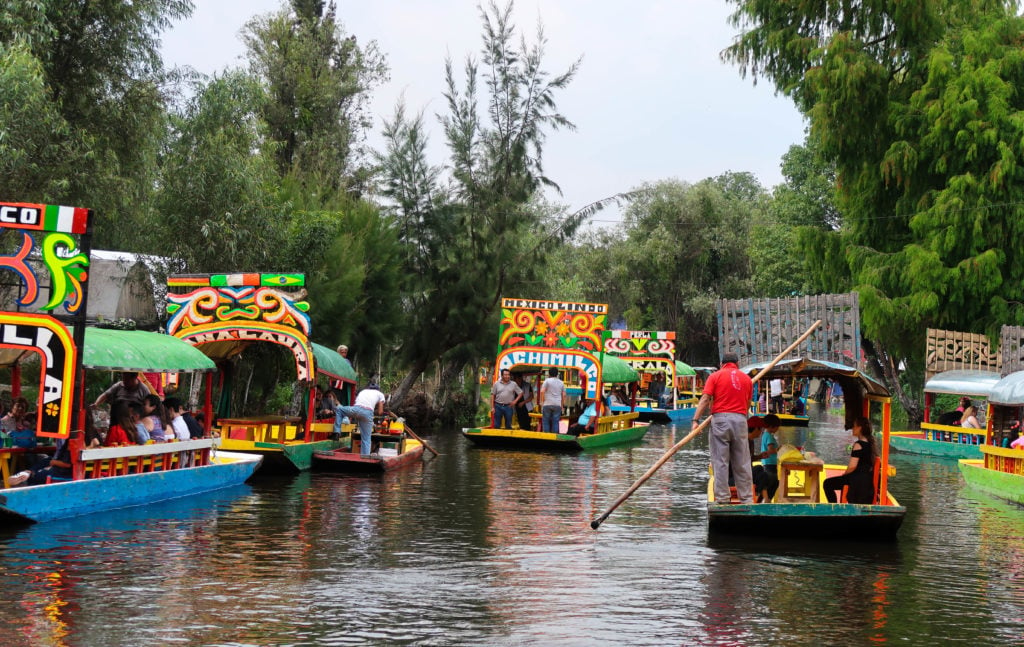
264,429
615,422
137,459
953,433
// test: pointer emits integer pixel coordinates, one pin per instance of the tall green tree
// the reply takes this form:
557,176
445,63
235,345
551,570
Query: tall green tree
917,104
685,247
803,206
318,80
38,150
103,72
216,199
475,240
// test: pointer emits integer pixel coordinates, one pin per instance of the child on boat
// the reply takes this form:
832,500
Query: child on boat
768,453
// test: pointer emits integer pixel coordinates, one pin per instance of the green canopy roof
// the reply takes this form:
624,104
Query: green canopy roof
684,369
332,364
137,350
617,371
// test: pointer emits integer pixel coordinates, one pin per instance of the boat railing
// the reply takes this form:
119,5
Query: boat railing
1003,459
606,424
953,433
137,459
257,430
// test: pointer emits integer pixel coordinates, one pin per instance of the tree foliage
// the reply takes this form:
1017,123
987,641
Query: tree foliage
216,200
318,81
474,240
918,107
102,69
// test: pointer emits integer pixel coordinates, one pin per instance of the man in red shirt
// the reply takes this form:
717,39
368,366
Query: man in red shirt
727,395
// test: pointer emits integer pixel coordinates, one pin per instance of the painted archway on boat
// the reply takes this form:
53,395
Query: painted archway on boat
48,338
222,314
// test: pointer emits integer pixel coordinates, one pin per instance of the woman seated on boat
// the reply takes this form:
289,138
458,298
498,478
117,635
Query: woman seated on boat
58,467
122,429
586,423
136,414
615,399
155,420
970,418
859,474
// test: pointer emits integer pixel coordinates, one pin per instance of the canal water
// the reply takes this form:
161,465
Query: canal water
491,547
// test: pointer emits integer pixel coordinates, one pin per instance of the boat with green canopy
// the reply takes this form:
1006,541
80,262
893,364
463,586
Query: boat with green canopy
1000,470
539,334
942,435
652,354
53,339
222,315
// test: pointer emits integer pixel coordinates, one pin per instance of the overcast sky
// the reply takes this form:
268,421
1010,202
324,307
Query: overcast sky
652,99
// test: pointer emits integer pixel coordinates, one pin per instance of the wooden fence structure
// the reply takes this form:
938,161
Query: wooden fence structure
759,329
952,350
1011,349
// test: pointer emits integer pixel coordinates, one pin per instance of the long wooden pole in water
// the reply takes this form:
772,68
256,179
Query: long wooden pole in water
596,523
421,441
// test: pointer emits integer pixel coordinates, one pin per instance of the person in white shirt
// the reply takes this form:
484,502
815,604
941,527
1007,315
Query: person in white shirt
369,402
552,401
777,386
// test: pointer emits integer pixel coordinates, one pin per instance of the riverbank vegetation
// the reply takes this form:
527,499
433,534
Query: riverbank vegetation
907,188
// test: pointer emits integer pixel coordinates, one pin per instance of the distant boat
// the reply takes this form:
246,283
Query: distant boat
1000,470
395,449
797,510
948,440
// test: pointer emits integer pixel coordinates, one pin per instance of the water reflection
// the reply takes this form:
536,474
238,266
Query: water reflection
493,547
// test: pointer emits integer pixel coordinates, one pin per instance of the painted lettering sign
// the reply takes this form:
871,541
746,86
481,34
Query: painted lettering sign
638,344
553,333
242,308
51,340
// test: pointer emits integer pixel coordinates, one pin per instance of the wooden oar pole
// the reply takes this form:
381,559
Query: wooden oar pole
596,523
421,441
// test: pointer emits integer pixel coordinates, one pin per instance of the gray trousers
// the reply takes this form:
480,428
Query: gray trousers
728,443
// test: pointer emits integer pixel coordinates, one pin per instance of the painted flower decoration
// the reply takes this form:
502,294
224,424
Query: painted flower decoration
563,328
542,327
550,338
52,409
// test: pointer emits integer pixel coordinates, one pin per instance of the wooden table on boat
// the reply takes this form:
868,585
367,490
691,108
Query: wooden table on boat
812,476
8,453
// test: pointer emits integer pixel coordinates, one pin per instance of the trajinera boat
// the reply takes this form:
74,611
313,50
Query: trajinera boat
936,438
651,354
538,334
797,511
1000,470
103,478
223,314
393,446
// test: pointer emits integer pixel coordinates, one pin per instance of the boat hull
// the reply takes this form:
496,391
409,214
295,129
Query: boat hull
609,438
1004,485
281,458
519,439
916,443
678,416
64,499
341,461
807,520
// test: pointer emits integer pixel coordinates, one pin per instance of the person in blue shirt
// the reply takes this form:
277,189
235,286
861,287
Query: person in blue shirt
769,450
587,421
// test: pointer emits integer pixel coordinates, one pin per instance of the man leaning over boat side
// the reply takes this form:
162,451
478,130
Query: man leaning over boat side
369,402
727,395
